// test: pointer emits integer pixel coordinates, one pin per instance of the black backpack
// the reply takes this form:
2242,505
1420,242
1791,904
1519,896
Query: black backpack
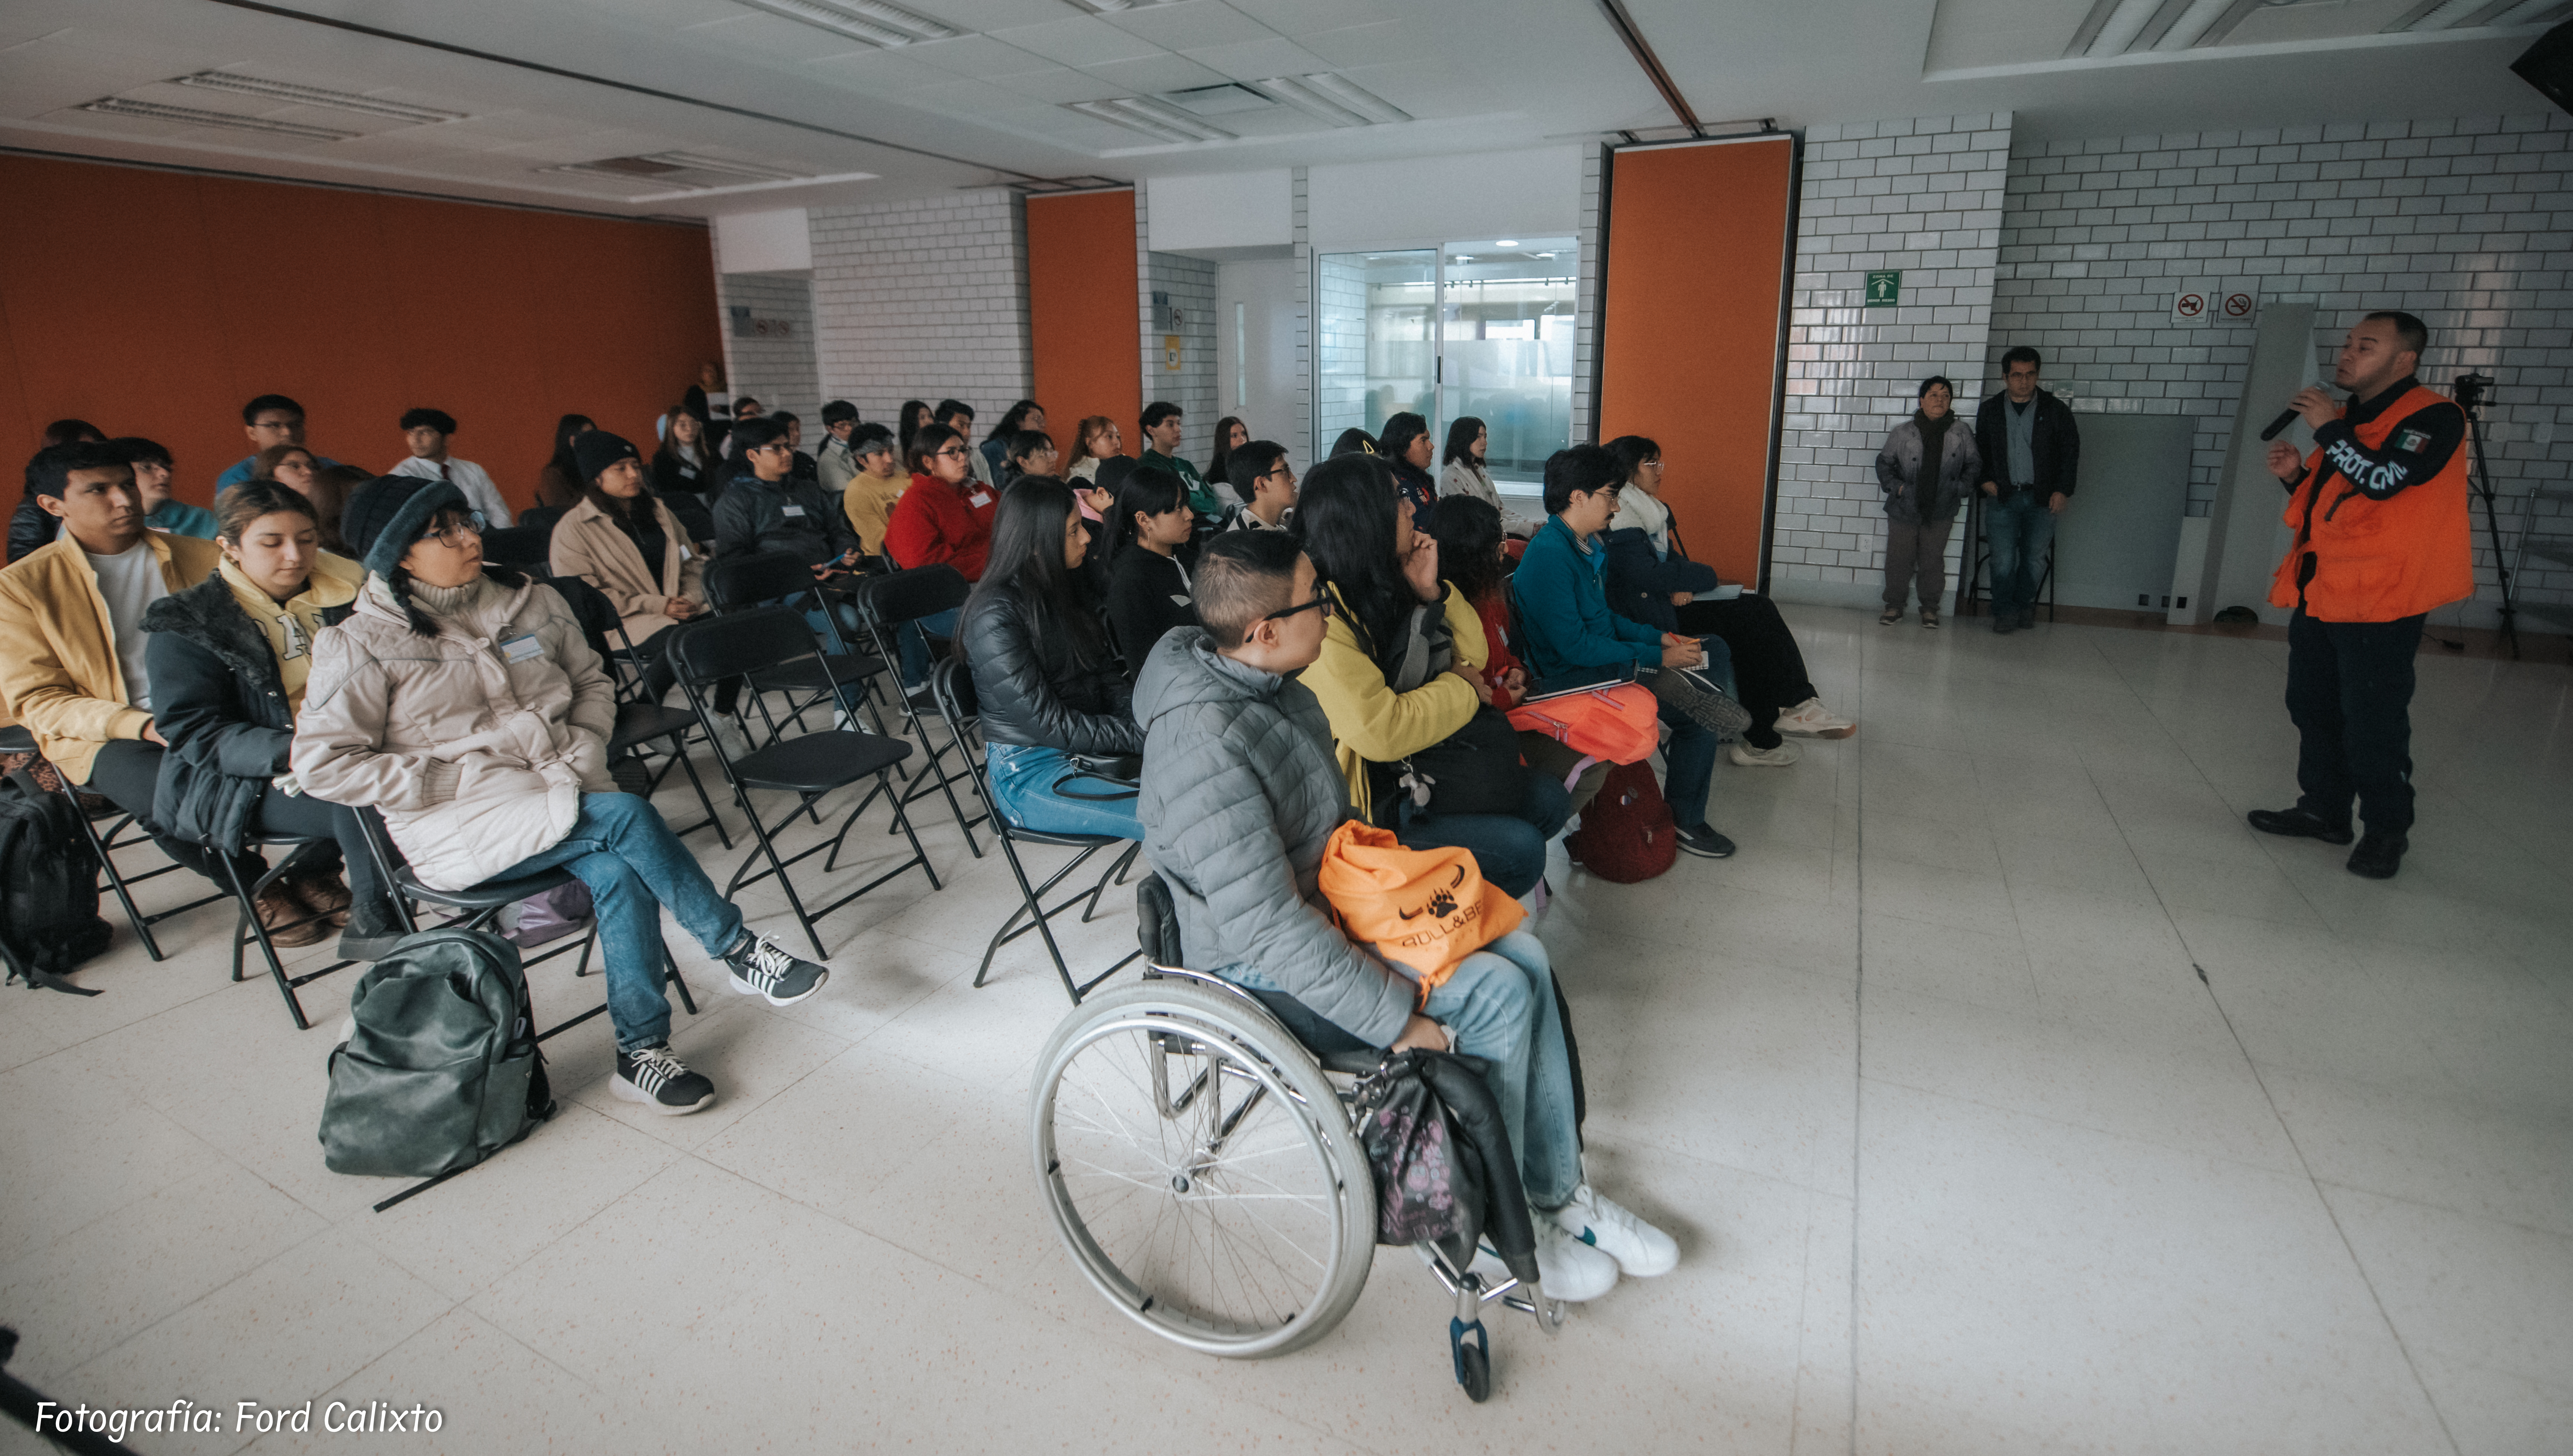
49,921
441,1070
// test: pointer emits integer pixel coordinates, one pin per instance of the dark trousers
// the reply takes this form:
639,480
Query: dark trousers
330,825
2350,691
1768,666
2019,529
128,770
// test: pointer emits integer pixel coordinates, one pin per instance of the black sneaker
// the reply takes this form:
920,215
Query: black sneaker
762,967
661,1081
372,933
2378,856
1705,843
2004,626
2299,824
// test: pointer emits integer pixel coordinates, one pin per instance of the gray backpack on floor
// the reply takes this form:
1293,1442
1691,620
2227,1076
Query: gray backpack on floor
441,1070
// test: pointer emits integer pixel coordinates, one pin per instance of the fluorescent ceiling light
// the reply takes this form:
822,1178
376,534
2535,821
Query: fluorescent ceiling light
190,115
1309,101
872,21
2195,21
1357,98
1221,100
2526,10
751,170
1153,119
1111,7
2445,15
1507,243
2125,23
316,96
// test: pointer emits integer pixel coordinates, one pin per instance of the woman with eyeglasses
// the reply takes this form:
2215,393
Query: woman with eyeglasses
464,704
1147,583
943,519
1045,676
290,465
558,480
1402,671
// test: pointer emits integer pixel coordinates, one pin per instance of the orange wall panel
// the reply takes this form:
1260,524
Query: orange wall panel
1081,312
1688,330
156,303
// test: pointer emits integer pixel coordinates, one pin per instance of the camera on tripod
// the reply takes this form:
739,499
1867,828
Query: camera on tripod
2471,389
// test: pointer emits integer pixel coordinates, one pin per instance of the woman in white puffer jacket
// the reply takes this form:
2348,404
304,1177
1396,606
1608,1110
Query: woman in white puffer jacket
466,707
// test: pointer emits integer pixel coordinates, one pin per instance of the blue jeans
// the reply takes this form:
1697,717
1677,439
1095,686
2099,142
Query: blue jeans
1508,848
2018,527
633,865
912,638
1500,1004
1023,778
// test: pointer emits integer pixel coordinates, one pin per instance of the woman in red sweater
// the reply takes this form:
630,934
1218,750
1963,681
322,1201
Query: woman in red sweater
945,518
1471,558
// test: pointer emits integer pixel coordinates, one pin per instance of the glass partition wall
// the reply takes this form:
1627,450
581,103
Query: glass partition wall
1481,329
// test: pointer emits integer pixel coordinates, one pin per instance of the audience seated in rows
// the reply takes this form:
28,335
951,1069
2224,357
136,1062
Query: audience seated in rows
1148,579
1401,671
1239,796
229,659
494,770
1473,556
1048,682
78,677
428,433
1651,579
1572,633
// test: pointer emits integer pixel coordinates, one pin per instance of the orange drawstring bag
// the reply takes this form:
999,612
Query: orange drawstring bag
1619,723
1425,908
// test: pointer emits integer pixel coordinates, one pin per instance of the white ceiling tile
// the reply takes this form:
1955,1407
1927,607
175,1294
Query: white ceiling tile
1080,40
1302,17
877,73
1061,84
987,16
1190,24
1157,74
978,56
1372,45
1261,59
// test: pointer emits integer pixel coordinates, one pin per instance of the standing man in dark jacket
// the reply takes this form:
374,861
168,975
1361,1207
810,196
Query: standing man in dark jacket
769,509
2031,453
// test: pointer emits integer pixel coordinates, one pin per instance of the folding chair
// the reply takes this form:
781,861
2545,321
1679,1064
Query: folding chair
953,689
772,643
888,604
1979,561
16,738
478,907
251,928
640,720
741,582
526,547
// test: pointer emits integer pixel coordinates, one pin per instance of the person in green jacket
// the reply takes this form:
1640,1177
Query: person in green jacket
1162,432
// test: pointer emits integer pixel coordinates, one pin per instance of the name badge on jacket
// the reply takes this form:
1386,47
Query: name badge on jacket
980,498
522,648
794,512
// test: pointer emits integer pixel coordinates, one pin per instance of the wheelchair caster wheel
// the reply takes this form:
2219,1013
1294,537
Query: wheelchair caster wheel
1473,1357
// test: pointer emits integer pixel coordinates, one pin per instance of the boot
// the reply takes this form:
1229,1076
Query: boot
288,921
323,892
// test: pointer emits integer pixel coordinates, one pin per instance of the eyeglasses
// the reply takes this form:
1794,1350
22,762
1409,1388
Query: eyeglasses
777,447
952,452
1322,602
454,533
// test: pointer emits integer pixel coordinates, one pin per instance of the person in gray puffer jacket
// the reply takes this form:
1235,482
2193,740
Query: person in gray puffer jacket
1240,794
1921,499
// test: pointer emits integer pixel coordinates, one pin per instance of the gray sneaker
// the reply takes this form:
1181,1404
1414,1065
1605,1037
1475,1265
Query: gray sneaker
762,967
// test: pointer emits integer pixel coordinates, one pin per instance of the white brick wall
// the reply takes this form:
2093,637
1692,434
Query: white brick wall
1189,284
2466,221
1585,298
1924,195
776,369
923,299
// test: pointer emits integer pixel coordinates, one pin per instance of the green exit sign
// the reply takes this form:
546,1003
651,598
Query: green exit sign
1884,289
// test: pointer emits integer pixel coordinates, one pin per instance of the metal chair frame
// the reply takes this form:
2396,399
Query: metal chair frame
884,632
250,929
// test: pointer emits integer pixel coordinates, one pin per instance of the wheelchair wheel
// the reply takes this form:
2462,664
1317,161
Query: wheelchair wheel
1202,1169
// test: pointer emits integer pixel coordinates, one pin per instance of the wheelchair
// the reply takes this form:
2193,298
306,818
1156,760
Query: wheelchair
1203,1166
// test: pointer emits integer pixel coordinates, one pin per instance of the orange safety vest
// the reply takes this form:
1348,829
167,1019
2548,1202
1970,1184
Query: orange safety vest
2379,561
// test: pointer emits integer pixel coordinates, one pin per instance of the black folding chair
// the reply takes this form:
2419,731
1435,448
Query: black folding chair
16,738
773,642
752,579
887,605
251,928
540,519
522,547
953,689
640,720
1971,594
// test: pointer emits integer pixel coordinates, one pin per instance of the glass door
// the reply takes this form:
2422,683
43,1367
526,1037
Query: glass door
1469,329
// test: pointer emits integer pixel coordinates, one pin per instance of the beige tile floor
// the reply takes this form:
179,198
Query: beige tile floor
2006,1094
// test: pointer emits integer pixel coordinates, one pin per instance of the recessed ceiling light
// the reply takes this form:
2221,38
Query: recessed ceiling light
872,21
1508,243
190,115
316,96
1153,119
1305,99
1357,98
1111,7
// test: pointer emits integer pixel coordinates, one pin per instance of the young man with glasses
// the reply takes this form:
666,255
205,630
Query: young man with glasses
768,508
1259,474
1239,796
270,419
943,519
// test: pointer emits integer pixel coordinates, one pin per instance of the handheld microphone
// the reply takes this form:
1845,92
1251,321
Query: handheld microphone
2285,418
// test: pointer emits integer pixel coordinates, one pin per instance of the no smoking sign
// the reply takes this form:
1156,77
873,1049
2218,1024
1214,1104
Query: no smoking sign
2201,301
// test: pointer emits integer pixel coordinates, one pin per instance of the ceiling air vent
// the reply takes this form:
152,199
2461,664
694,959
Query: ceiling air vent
1221,100
678,169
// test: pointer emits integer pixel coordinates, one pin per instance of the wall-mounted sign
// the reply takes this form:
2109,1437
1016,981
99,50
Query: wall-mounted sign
2195,303
746,324
1170,350
1884,289
2242,303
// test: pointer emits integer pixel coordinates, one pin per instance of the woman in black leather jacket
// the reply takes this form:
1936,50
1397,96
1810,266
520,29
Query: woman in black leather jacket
1048,682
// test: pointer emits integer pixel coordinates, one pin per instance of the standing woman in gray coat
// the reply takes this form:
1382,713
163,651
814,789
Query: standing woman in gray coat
1928,464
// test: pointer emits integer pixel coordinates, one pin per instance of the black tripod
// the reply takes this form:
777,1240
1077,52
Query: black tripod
2471,391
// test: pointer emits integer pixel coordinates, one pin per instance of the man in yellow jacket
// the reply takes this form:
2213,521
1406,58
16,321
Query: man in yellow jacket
71,614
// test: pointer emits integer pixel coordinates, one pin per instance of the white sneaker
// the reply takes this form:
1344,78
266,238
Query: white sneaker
1637,1247
1571,1270
1812,720
1750,757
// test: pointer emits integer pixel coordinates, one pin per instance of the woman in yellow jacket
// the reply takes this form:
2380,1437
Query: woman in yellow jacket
1401,671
